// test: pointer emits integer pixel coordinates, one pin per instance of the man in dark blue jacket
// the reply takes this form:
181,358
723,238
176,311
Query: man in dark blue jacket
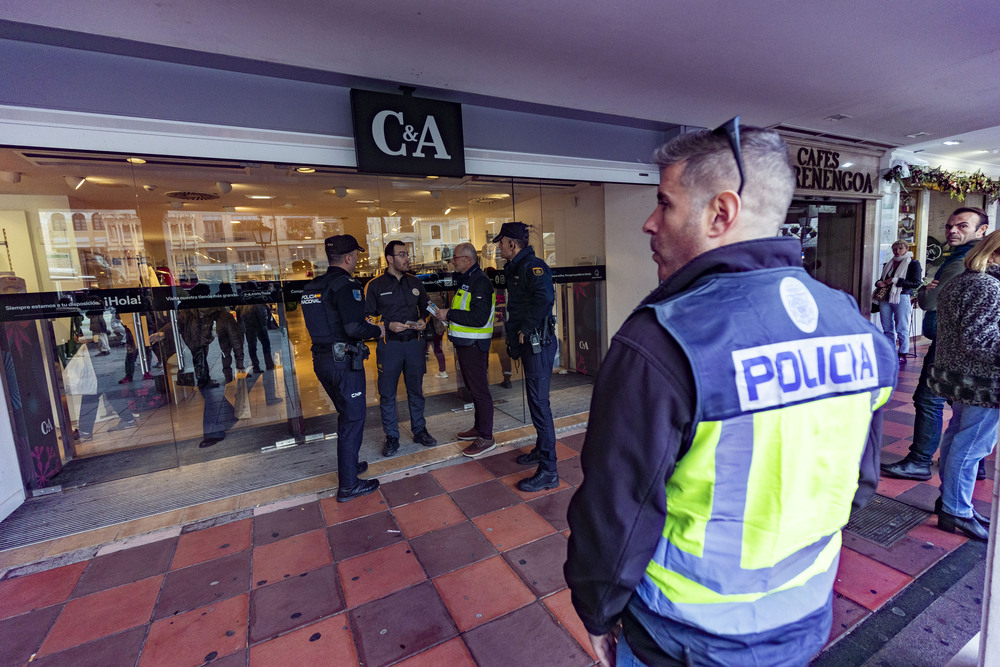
530,331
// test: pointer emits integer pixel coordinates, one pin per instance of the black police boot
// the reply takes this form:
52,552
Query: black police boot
907,469
541,481
424,438
361,488
391,446
531,458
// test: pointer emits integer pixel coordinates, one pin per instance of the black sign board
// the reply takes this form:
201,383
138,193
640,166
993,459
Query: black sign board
401,134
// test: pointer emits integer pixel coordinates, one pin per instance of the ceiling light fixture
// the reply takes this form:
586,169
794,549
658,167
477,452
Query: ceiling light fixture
340,191
230,209
917,135
225,187
305,170
177,205
447,211
135,160
951,142
149,188
75,181
436,194
260,197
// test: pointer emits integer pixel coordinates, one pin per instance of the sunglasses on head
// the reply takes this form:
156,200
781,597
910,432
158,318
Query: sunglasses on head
731,130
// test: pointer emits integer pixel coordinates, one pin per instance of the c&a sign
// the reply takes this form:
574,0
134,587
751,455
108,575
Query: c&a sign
401,134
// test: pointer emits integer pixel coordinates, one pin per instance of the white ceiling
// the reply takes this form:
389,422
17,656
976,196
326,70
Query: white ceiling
896,68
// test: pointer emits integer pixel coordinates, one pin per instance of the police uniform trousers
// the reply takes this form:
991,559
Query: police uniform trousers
537,381
395,357
346,388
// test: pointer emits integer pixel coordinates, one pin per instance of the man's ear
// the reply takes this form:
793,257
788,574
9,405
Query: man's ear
722,213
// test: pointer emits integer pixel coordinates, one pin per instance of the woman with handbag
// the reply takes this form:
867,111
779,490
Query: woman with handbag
900,276
966,371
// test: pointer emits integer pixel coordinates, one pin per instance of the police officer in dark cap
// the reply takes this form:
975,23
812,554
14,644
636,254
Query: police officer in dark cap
333,308
530,330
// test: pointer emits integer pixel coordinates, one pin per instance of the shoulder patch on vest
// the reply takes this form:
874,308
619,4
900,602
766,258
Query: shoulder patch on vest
357,295
537,271
799,304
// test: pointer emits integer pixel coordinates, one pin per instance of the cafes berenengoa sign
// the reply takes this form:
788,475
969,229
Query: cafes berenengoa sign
401,134
833,170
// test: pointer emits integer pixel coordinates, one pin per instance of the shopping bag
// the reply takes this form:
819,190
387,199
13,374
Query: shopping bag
242,397
79,374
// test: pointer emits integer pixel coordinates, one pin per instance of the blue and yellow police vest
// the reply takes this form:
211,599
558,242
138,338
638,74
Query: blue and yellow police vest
787,376
463,301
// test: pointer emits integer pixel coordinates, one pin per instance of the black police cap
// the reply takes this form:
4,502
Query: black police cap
342,244
512,230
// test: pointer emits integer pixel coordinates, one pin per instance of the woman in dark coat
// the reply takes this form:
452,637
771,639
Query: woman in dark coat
966,371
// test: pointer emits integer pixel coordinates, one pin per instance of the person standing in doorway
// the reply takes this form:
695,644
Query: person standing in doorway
530,330
400,300
470,321
333,309
900,276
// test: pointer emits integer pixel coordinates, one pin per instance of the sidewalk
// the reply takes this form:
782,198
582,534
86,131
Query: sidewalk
448,564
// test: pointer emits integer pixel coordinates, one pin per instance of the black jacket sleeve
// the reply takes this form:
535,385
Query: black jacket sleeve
353,314
640,415
911,280
868,476
371,297
480,304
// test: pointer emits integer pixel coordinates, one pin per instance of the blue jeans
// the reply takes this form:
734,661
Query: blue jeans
896,322
928,418
971,435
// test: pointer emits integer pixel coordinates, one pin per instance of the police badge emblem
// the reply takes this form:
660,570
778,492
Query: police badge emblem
357,295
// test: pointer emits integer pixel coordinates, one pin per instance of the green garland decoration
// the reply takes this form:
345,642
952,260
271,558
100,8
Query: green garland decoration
957,184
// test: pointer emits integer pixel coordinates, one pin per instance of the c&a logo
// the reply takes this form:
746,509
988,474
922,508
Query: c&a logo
400,134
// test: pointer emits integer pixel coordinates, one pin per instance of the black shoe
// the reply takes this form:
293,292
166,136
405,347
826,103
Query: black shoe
531,458
983,520
256,369
907,469
208,442
273,401
968,526
540,482
361,488
902,360
506,384
362,467
424,438
981,471
391,446
228,377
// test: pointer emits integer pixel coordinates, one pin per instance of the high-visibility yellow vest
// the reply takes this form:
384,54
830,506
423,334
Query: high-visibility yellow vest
463,301
755,506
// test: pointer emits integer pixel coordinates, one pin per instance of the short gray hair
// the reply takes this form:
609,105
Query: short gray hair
710,168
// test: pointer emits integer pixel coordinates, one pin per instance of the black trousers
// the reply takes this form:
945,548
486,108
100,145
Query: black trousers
474,364
253,334
406,358
346,388
537,381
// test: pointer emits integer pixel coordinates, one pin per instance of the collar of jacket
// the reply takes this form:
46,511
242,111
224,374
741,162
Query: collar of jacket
463,278
765,253
526,251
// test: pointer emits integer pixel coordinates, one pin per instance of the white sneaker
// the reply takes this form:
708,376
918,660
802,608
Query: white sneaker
441,374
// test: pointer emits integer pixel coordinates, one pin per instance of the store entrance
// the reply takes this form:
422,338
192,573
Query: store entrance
831,235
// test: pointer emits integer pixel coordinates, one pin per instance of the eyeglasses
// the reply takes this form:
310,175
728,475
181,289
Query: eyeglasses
731,128
401,254
455,258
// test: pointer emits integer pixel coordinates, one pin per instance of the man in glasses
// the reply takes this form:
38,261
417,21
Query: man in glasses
734,424
470,329
400,300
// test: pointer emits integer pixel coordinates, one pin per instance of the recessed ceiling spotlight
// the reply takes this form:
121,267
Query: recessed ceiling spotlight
447,211
135,160
917,135
260,197
340,191
837,117
365,201
951,142
305,170
225,187
149,188
432,177
75,181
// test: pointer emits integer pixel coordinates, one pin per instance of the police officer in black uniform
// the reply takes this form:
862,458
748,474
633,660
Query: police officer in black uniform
530,331
400,299
333,309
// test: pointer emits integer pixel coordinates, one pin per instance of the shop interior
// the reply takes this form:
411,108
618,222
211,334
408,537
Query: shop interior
86,226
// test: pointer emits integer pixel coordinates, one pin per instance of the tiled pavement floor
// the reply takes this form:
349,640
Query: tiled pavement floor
453,566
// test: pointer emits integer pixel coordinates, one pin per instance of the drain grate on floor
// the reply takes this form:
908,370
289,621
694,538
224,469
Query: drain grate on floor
885,521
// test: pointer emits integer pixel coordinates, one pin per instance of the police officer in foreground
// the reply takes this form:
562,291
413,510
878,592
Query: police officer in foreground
530,330
400,300
333,309
734,422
